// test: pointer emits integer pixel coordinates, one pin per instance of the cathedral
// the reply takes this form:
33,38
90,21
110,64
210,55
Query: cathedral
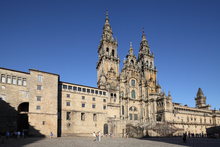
126,102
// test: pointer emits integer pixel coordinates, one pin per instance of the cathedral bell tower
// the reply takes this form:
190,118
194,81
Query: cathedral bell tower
201,100
108,61
146,66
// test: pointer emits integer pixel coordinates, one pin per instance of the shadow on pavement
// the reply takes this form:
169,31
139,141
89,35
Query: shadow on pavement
190,142
12,121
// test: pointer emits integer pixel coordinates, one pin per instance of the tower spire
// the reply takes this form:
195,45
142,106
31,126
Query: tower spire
131,49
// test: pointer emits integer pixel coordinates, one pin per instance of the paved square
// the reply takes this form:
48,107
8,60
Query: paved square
110,142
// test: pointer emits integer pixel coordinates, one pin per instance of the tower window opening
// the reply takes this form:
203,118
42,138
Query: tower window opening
113,52
133,95
107,49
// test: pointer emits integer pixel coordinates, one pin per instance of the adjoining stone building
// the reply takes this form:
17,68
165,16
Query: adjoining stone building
129,101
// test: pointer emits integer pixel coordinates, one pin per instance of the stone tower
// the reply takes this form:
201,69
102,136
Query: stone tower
108,60
201,100
146,66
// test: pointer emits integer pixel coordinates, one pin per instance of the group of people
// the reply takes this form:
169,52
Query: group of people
97,136
8,134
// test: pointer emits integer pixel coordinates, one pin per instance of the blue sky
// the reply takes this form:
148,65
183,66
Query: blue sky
62,37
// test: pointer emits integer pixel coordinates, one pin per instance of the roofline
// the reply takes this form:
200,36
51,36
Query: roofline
44,72
14,70
83,85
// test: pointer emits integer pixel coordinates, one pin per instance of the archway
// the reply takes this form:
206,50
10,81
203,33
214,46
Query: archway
22,118
105,129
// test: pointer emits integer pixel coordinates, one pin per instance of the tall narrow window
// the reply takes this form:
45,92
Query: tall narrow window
107,49
83,117
123,110
132,82
133,95
19,81
93,106
9,79
40,78
113,52
3,78
68,117
14,80
24,82
94,117
135,117
130,116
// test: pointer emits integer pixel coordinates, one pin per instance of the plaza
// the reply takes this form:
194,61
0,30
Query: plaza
110,142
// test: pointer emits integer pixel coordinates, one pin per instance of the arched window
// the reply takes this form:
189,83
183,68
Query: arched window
147,63
133,95
132,82
132,62
107,49
113,52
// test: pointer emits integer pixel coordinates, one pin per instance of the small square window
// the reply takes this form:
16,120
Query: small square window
92,91
79,89
83,105
68,103
84,89
100,92
88,90
93,106
83,97
64,86
104,93
93,98
68,95
104,100
38,107
104,107
43,122
70,87
38,98
74,88
39,87
96,92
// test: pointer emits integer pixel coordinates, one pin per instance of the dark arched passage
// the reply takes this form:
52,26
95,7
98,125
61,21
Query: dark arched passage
22,118
105,129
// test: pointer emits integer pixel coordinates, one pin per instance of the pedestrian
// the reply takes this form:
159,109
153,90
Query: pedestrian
7,134
184,137
22,133
100,135
51,134
94,135
18,134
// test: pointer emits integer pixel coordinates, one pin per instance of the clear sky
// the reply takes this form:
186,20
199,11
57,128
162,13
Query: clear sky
62,36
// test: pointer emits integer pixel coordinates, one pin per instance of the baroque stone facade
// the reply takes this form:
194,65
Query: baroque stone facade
127,102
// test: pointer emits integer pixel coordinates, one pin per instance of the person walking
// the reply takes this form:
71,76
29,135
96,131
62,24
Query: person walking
184,137
51,134
100,135
94,135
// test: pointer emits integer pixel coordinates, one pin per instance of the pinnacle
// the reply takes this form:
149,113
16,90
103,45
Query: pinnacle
200,93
